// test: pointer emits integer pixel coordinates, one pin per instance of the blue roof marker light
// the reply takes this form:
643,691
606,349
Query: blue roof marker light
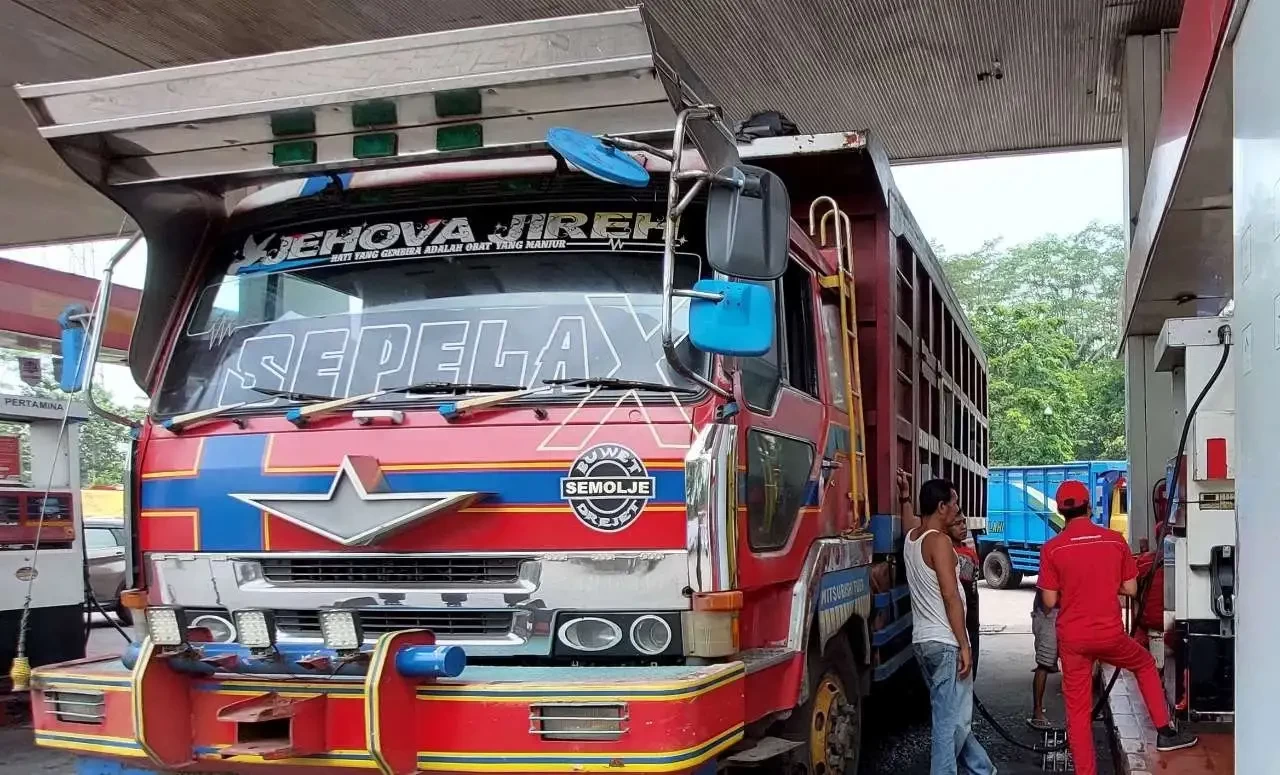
597,159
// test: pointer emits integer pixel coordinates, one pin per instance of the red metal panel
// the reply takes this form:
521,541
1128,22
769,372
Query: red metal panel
1216,458
481,725
31,297
420,445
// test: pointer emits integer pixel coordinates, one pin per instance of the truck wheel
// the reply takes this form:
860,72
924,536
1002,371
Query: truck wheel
830,721
998,571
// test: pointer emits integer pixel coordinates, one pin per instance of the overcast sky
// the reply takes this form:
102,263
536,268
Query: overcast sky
962,204
959,205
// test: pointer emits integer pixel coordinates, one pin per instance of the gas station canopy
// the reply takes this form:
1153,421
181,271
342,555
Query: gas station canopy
936,79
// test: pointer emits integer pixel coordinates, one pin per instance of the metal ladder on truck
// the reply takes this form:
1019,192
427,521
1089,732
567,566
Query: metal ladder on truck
842,283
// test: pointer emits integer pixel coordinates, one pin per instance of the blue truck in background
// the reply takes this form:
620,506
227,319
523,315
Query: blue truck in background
1022,514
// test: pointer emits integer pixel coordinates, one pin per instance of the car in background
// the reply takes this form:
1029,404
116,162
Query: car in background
105,543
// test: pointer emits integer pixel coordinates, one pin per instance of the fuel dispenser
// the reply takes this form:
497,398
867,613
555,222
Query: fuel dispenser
1199,529
41,555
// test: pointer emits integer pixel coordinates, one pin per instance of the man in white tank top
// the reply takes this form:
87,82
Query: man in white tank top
939,635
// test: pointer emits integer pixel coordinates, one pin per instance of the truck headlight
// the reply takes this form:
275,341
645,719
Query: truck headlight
590,633
221,630
255,628
650,635
167,625
617,634
340,628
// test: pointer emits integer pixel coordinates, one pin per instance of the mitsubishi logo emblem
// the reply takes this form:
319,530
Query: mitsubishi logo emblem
359,508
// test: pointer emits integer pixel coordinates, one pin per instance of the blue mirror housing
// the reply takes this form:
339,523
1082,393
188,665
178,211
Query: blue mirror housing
600,161
741,323
74,337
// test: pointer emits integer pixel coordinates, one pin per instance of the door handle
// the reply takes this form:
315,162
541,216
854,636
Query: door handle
829,467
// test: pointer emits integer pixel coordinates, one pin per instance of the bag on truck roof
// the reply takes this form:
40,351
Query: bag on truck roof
767,124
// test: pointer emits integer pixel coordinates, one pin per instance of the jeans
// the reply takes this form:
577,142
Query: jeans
955,749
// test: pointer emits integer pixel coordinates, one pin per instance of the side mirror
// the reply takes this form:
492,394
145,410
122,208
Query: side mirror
740,323
748,214
74,338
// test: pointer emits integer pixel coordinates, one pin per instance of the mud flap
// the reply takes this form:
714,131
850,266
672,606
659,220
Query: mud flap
162,709
389,704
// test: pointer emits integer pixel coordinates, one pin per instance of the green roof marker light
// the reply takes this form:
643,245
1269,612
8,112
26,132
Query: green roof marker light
459,137
374,146
293,122
457,102
373,113
293,153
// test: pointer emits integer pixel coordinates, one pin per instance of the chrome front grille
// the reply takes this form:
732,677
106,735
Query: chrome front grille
392,571
456,624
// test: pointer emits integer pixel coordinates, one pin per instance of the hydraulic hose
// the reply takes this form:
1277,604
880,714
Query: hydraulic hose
1144,583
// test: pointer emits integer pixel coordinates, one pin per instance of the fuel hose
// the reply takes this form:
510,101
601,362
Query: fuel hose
1144,583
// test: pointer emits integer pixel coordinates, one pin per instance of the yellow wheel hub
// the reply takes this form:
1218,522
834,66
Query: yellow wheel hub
830,727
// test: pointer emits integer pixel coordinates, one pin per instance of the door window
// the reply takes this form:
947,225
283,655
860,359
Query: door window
762,375
797,324
831,333
777,486
99,538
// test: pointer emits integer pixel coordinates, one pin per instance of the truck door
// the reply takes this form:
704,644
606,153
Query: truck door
782,423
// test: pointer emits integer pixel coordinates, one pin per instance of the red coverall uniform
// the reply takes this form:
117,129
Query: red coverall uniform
1086,564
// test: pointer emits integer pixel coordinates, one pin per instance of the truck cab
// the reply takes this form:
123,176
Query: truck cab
477,441
1022,514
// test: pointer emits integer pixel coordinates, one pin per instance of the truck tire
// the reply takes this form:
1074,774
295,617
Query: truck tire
830,721
122,613
998,571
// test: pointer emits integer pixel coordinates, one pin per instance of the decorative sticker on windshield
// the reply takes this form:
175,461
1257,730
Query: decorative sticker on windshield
334,312
607,487
567,336
471,233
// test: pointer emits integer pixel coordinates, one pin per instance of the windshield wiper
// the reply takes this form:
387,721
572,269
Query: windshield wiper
620,384
316,404
180,422
421,388
291,395
456,388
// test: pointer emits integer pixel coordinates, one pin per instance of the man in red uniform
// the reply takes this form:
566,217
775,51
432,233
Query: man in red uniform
1083,570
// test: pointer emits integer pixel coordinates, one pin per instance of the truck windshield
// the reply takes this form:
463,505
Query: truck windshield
313,319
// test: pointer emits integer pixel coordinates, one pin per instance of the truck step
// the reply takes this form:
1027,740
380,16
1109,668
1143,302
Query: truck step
275,727
765,750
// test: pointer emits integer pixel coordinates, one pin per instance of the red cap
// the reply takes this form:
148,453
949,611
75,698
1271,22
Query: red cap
1072,494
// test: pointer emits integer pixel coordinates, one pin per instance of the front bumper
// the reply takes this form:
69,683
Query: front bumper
490,719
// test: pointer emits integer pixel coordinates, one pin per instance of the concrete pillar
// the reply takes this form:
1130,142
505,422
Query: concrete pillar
1151,428
1148,400
1256,332
1146,60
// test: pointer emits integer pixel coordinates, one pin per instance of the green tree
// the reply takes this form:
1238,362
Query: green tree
1078,277
1034,397
104,445
1046,314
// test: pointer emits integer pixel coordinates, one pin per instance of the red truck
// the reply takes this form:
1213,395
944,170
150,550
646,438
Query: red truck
478,443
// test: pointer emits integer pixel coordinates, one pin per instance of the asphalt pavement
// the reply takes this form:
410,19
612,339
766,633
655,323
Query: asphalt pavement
896,736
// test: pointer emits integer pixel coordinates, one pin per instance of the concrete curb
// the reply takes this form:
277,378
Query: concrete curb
1135,738
1131,727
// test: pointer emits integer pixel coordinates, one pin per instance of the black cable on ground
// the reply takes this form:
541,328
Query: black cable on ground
93,603
1144,584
